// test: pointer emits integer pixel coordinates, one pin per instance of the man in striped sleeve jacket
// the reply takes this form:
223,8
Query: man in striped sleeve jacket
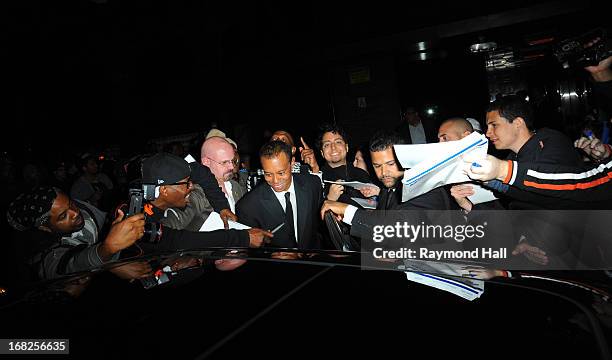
559,181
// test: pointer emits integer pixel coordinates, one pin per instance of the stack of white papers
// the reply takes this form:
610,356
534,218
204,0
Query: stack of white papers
428,273
438,164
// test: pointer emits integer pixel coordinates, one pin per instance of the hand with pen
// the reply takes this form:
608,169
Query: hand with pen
257,237
593,147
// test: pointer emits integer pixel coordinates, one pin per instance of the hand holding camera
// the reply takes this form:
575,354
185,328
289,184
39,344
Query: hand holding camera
123,233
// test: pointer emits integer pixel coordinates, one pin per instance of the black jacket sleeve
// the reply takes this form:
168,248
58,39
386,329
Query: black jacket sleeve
202,176
172,239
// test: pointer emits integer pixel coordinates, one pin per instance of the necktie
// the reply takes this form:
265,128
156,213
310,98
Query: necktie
389,202
289,218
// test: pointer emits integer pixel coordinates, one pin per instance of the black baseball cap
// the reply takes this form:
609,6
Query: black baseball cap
164,168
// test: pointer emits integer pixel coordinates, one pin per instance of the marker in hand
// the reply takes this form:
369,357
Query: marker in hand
588,134
475,164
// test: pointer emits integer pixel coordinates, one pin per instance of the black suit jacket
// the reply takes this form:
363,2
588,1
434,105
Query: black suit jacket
436,199
260,208
430,129
364,220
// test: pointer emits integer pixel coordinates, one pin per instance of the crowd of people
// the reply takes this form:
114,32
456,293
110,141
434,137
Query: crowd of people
72,220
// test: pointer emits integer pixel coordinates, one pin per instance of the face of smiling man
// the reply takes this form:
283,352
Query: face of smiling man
334,149
277,171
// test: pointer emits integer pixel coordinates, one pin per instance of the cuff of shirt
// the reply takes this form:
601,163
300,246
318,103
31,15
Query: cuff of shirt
349,213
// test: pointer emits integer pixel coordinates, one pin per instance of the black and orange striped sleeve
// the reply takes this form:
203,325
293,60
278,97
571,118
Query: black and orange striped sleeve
565,182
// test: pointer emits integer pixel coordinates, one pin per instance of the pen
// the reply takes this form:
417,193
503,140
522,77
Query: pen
277,228
588,134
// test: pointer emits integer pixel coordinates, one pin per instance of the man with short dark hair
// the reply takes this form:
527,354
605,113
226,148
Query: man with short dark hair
413,130
333,144
387,169
287,199
61,236
390,174
92,186
510,126
309,164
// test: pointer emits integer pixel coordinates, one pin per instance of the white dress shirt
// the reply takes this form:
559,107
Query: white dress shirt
281,199
417,134
230,196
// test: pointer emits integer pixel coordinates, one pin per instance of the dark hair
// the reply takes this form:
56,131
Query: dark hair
512,106
274,148
332,128
85,158
384,139
287,134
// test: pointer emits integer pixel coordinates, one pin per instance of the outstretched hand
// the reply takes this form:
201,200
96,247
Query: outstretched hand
308,156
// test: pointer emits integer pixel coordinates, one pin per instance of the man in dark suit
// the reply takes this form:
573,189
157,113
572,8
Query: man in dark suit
387,170
413,130
390,198
285,198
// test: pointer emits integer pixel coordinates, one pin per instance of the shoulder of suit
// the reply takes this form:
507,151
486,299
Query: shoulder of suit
253,195
307,178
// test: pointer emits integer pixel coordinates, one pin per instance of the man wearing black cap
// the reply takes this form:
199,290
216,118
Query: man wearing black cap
58,235
171,175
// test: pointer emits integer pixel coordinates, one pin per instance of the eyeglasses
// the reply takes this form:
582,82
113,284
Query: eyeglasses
187,183
225,163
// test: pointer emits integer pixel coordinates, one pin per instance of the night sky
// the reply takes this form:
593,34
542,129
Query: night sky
82,73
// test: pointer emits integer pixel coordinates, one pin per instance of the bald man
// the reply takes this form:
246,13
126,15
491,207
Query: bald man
217,154
454,129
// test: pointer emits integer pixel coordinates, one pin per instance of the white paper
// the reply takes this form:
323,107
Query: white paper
453,286
410,155
189,158
354,184
442,165
481,195
214,222
365,203
429,273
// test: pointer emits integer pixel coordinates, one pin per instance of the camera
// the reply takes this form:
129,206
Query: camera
138,195
572,52
160,277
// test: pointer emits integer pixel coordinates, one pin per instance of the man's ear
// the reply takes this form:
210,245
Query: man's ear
293,149
205,161
519,121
